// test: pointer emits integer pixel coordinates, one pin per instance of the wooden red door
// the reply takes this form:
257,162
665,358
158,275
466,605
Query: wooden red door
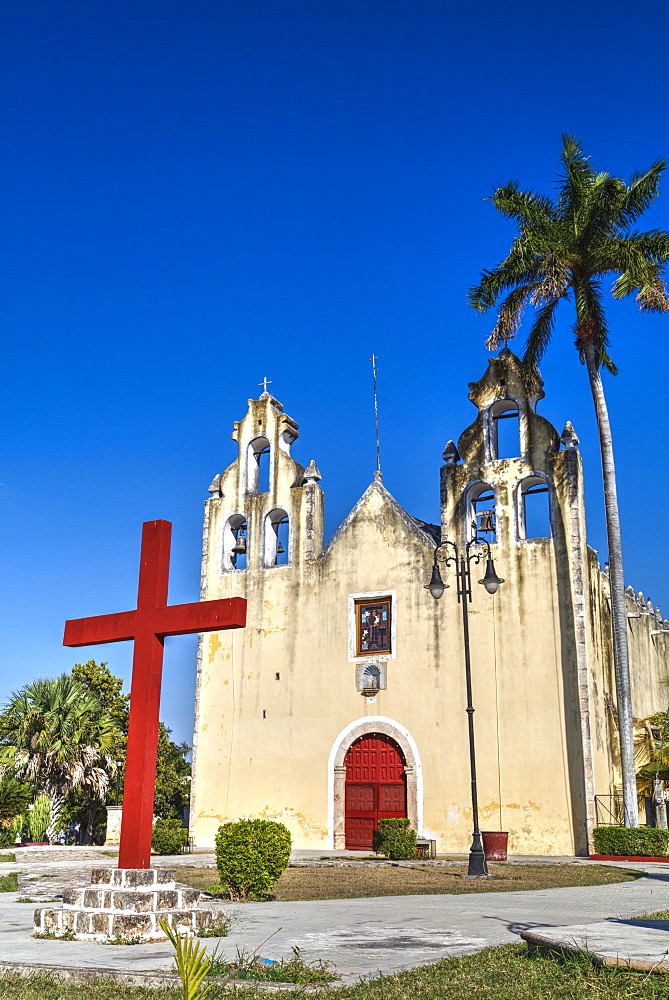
375,787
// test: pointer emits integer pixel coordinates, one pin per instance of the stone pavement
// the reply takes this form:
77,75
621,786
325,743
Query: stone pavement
360,936
642,945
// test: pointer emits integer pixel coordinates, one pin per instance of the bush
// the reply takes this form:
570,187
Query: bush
38,818
251,854
168,837
7,837
634,841
14,798
395,839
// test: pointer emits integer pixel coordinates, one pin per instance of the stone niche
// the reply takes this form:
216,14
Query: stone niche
125,903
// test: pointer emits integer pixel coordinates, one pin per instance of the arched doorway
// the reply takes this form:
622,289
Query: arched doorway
375,787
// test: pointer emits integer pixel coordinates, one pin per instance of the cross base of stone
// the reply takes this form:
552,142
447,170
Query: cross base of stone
125,904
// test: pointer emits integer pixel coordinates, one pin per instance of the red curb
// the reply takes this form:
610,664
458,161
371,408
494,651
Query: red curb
627,857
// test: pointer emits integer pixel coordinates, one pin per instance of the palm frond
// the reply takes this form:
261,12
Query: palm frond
509,315
641,192
528,207
577,178
538,338
652,296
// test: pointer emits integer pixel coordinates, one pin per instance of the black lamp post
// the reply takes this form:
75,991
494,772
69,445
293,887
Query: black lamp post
475,550
119,765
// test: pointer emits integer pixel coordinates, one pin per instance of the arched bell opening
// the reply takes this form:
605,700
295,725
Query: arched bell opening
276,538
235,543
481,512
534,508
504,430
258,466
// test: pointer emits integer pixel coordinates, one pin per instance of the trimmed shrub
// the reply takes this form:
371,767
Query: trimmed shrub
632,841
395,839
251,854
168,837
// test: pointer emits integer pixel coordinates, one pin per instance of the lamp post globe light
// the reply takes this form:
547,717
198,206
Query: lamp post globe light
474,552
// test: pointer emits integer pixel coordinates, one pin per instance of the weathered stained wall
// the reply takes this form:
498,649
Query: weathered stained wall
273,700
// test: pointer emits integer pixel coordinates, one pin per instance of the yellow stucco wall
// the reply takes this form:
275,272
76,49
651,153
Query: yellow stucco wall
264,744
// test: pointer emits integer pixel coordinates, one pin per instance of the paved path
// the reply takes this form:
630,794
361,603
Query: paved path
361,936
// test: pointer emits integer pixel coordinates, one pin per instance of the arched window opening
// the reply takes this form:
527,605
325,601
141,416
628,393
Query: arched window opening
235,542
482,513
277,538
505,430
534,509
259,466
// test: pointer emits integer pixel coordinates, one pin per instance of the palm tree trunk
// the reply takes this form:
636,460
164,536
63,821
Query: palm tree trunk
617,584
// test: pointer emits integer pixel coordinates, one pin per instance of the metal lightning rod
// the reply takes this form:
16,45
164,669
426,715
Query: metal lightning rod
377,474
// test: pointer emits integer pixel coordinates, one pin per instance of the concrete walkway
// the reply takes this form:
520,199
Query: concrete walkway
360,936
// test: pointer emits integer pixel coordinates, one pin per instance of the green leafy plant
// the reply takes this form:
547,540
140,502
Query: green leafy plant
640,841
395,839
169,837
192,962
251,854
38,818
14,799
246,965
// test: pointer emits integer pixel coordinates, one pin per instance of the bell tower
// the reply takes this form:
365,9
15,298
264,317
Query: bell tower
265,510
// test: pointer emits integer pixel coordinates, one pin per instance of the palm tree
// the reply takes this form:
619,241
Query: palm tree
55,734
564,249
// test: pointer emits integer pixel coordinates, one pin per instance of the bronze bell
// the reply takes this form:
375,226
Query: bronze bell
487,522
280,548
239,548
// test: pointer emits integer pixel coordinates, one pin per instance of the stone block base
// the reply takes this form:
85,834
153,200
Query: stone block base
125,904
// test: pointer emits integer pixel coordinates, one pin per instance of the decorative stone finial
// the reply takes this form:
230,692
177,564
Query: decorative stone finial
450,454
377,476
311,473
631,592
569,437
215,487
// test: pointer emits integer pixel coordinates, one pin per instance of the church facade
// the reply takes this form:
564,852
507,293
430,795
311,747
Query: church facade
343,700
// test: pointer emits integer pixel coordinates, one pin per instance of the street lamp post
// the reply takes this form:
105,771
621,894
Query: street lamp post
475,550
119,765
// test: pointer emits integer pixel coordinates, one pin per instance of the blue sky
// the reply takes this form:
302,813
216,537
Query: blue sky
199,193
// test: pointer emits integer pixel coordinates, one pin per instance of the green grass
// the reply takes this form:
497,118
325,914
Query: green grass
507,973
7,857
660,915
9,883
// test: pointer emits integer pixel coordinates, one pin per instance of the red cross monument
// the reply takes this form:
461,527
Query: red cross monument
148,625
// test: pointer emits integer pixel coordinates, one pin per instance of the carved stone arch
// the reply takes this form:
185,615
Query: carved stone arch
491,411
472,491
528,479
258,446
337,773
269,536
236,520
